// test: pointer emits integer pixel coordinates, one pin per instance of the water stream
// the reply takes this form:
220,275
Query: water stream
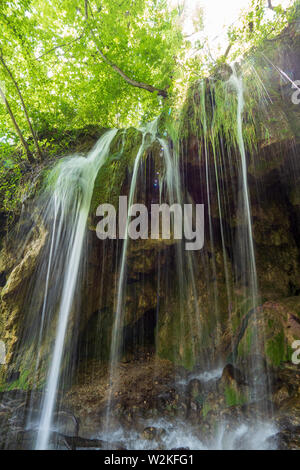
71,197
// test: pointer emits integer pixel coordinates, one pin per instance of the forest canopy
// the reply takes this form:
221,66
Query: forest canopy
68,64
55,50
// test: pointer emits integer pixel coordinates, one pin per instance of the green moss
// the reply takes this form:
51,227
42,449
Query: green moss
249,338
199,399
244,347
22,383
175,333
276,350
243,309
109,181
206,409
233,397
210,113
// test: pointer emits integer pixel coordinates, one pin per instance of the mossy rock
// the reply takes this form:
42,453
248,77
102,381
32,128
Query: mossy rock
175,334
271,331
110,179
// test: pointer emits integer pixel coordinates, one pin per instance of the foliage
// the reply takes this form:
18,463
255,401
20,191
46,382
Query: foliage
258,24
52,51
54,48
51,47
10,175
66,57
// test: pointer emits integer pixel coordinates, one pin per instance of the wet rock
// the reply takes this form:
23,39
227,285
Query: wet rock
75,443
151,433
14,293
287,439
232,375
270,333
222,72
280,395
194,388
195,396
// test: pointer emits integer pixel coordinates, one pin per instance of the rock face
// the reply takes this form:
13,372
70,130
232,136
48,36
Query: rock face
273,172
18,265
185,311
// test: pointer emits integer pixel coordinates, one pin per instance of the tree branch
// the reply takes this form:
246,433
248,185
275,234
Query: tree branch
228,50
129,80
117,69
38,150
18,130
60,46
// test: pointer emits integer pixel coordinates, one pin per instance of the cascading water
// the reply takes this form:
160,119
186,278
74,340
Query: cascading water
115,347
245,241
184,263
170,187
70,203
237,82
202,308
150,132
258,373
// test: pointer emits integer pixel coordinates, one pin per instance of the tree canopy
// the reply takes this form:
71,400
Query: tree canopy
69,59
68,64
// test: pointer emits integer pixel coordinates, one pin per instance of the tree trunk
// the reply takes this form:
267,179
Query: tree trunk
38,150
18,130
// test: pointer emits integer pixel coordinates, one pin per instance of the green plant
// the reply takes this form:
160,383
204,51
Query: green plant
234,397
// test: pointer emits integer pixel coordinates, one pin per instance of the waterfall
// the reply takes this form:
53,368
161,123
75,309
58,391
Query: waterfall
237,82
202,308
149,135
247,254
70,202
184,264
